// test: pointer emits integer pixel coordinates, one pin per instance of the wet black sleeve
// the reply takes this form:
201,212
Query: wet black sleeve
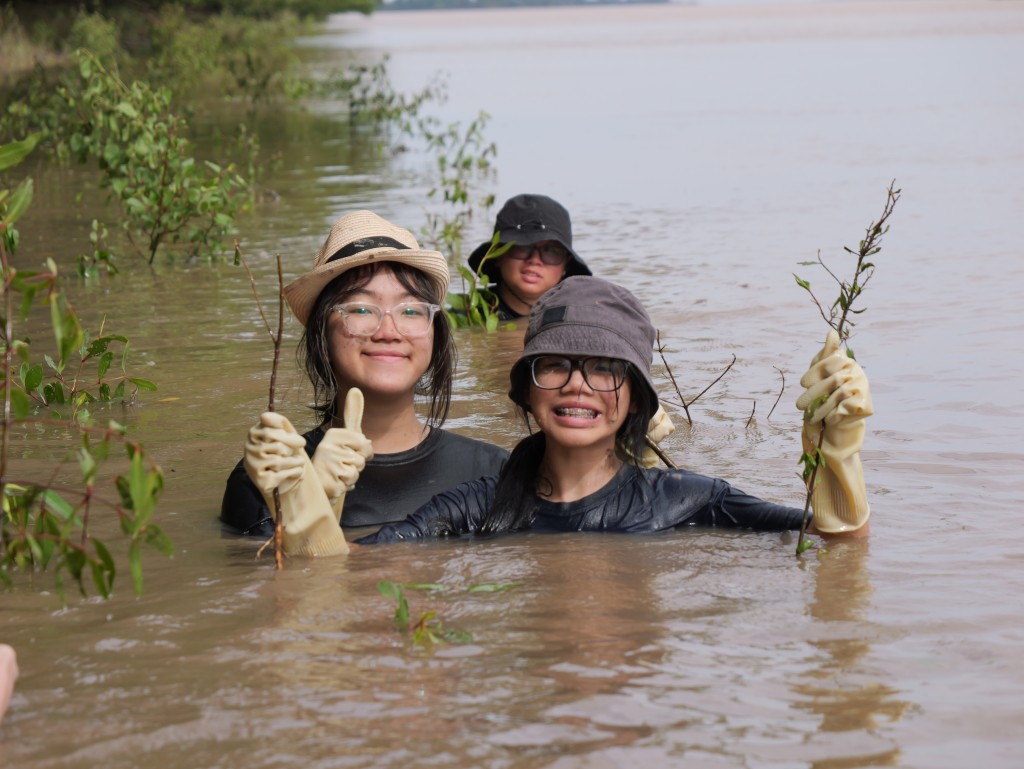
698,500
243,510
454,512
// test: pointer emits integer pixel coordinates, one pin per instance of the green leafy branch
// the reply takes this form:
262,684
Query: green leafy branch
477,304
66,381
838,316
44,524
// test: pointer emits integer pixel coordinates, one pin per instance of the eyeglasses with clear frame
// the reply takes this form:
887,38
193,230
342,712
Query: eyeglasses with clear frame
551,254
552,372
365,319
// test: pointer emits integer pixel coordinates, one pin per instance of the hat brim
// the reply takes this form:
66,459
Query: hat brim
303,292
576,266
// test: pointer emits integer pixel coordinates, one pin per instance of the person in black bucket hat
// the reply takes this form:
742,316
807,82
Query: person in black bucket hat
584,381
539,231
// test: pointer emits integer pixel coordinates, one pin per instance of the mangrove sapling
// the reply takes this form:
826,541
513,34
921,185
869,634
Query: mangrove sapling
47,523
275,337
429,630
477,305
682,402
838,317
782,389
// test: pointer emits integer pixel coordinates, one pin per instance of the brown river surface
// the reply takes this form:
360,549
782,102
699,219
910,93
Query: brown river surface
704,152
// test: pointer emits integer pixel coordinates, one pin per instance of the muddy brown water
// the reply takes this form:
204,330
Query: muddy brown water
703,151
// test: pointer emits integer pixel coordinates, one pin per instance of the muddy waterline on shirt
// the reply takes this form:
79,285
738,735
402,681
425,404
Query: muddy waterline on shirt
702,152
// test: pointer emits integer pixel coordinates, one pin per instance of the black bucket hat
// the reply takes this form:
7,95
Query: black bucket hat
528,219
584,316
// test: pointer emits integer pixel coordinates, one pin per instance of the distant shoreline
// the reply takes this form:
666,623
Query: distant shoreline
439,5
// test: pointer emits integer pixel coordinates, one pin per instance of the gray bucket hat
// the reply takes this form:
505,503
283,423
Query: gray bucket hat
584,316
528,219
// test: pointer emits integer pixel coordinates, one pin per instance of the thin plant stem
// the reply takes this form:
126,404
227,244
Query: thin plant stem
661,454
848,294
276,339
5,440
779,397
278,549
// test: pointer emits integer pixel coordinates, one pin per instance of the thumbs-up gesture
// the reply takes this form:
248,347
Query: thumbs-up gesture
343,452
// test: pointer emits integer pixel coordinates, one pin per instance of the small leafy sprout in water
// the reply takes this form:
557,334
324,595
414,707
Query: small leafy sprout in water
429,629
394,591
804,545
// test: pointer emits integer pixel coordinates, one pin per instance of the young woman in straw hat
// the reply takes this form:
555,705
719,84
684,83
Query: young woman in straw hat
584,379
374,331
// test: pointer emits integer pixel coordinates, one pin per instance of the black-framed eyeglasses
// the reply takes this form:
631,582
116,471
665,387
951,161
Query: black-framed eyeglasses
410,318
551,253
552,372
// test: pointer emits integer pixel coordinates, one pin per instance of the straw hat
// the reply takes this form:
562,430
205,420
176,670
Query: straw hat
358,238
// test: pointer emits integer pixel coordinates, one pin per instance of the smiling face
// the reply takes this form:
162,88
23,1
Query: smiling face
575,416
386,363
524,280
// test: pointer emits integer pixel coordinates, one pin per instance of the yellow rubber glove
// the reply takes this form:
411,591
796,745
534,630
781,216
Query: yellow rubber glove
659,428
343,453
836,397
275,458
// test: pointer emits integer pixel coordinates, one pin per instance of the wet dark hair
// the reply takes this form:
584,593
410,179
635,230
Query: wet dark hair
515,496
314,348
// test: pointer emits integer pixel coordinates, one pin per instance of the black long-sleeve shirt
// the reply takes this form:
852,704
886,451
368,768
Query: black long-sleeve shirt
635,500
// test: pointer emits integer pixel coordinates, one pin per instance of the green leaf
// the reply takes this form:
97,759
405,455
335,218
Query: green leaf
21,404
33,378
135,565
104,365
59,506
101,579
87,464
13,153
431,587
804,546
802,283
456,636
18,204
54,393
142,384
127,109
389,589
155,537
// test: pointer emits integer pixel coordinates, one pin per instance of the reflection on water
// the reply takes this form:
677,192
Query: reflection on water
703,153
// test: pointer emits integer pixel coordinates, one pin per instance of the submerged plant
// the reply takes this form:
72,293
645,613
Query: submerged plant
838,316
429,629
